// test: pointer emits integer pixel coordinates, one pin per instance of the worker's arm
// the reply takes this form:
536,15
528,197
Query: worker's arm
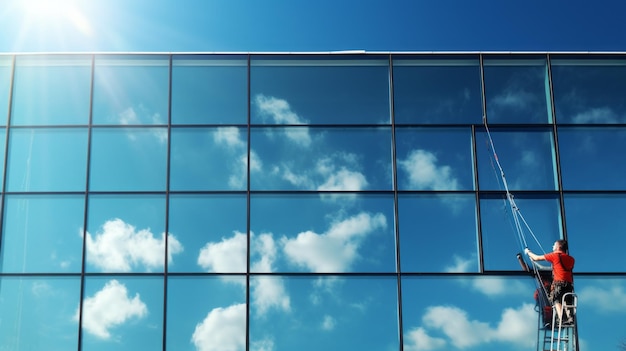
533,256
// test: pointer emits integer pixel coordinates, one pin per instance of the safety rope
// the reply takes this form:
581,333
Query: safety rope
519,222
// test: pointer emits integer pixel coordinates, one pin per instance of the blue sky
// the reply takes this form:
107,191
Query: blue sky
323,25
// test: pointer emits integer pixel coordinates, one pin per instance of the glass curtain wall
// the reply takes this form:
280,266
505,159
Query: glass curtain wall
320,201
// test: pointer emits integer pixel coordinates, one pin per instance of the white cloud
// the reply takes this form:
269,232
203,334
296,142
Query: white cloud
456,325
41,289
118,246
130,117
328,323
417,339
229,256
262,345
337,174
109,308
606,297
519,100
462,265
335,250
424,173
267,292
228,136
301,180
516,325
222,329
226,256
344,180
280,112
597,115
462,332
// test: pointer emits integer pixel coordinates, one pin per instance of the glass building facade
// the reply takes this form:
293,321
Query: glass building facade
306,201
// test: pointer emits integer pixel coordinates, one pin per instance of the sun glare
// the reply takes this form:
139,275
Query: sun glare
61,18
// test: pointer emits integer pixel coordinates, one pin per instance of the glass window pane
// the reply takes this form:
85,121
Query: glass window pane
212,229
437,90
323,313
322,233
469,313
209,89
539,226
3,138
517,90
128,159
126,233
209,159
206,312
434,159
39,313
304,158
51,90
6,68
319,90
47,159
42,233
526,156
131,89
592,158
438,233
589,90
595,224
601,305
122,313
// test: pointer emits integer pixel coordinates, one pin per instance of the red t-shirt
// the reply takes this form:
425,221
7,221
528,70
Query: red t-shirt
561,268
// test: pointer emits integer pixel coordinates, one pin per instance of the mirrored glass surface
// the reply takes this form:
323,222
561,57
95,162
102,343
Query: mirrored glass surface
42,233
589,90
206,313
323,313
3,138
326,159
469,313
209,89
126,233
131,89
47,159
6,71
212,230
51,90
601,305
592,158
526,156
517,90
122,313
209,159
39,313
536,224
437,90
595,229
328,233
434,159
319,90
128,159
438,233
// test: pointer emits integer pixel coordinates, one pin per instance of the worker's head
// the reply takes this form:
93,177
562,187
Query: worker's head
560,245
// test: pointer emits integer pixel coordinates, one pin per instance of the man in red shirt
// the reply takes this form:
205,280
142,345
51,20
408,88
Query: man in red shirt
563,279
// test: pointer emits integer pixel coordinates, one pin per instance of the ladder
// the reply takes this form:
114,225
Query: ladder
559,336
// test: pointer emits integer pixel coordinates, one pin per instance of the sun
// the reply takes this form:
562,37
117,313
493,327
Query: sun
57,21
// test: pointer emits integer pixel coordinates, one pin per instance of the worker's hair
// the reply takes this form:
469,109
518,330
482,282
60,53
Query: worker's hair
562,245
